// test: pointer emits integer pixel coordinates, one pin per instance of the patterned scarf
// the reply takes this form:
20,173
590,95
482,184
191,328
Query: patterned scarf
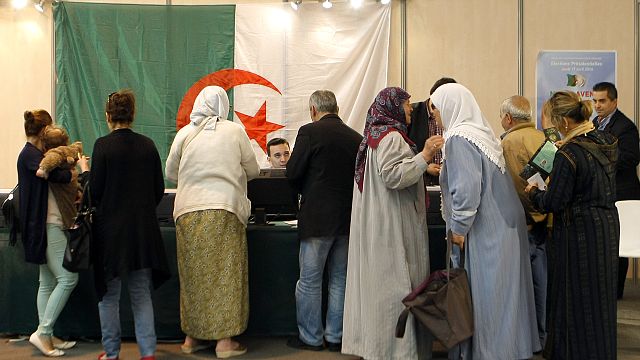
385,115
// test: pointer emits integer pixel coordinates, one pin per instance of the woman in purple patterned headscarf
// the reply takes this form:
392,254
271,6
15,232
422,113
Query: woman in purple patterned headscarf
388,241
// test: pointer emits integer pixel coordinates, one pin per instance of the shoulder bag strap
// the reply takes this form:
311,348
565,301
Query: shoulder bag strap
192,135
448,238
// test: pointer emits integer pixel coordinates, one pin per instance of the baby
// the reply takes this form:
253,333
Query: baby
59,154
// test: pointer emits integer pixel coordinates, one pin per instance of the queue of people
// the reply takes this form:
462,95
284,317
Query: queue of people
537,281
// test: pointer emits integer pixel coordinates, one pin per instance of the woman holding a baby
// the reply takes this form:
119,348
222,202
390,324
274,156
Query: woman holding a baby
44,214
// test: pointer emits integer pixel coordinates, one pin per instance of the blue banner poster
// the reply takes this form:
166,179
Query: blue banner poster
571,70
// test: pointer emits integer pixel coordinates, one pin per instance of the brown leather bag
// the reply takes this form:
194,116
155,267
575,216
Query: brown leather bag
442,303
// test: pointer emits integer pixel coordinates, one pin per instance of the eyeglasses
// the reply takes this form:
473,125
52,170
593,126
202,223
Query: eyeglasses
110,95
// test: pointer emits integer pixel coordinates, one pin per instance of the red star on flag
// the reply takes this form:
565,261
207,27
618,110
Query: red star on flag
257,126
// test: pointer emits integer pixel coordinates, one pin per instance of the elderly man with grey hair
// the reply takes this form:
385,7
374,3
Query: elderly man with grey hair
321,168
519,142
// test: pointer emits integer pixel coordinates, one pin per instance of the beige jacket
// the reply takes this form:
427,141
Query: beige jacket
519,144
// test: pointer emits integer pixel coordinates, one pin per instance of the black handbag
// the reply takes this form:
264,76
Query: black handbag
442,303
10,212
77,255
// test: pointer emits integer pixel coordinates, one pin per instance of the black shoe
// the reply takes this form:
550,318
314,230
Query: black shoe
335,347
296,343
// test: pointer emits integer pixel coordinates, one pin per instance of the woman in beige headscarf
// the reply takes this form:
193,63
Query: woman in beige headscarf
211,160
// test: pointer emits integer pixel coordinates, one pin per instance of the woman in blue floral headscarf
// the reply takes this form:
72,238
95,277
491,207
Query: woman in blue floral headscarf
388,241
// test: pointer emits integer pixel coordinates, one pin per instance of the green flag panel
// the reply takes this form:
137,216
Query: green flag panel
157,51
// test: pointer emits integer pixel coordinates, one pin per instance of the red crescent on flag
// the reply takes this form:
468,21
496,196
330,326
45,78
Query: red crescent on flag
226,79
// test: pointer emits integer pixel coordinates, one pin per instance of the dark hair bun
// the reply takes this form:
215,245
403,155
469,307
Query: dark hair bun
28,116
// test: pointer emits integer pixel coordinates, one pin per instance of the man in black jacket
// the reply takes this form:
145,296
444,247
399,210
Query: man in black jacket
612,120
423,126
321,169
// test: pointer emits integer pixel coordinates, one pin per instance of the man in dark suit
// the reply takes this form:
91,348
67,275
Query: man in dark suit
424,126
321,169
612,120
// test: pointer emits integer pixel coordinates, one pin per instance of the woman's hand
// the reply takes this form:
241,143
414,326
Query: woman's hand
433,169
83,162
432,145
42,174
457,240
530,187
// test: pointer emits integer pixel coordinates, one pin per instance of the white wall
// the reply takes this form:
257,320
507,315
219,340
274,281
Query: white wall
474,41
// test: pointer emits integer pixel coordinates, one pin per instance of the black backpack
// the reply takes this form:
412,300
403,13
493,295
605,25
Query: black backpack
10,212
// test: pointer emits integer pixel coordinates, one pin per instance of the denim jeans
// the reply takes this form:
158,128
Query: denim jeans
538,256
140,293
56,283
314,253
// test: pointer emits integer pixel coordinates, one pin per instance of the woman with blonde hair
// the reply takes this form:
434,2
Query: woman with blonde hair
583,252
211,160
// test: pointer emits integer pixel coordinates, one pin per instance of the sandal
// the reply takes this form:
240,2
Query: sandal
37,340
186,349
61,344
240,350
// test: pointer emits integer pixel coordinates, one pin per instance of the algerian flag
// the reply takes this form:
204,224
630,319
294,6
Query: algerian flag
269,57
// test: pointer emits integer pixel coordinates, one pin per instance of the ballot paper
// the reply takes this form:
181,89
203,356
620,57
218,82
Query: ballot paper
538,181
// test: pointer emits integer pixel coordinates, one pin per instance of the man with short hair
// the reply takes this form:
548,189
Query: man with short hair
520,141
423,126
321,169
613,121
278,152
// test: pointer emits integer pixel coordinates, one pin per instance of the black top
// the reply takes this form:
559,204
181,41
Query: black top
33,192
583,253
126,186
321,168
627,184
418,132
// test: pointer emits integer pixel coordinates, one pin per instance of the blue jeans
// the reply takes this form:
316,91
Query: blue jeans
56,283
140,293
314,253
538,256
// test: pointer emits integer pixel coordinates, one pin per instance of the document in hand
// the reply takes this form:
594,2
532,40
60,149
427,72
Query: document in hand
552,134
540,165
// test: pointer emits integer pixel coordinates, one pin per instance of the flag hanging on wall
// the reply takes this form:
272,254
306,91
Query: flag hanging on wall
268,57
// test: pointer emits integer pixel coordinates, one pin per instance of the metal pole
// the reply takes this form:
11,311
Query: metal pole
403,44
53,64
636,45
520,47
636,53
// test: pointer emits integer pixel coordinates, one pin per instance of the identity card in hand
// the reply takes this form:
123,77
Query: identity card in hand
542,160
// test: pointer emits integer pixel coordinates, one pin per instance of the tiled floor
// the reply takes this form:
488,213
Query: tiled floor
275,348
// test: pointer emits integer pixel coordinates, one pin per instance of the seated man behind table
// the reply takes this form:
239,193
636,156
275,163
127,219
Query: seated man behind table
278,152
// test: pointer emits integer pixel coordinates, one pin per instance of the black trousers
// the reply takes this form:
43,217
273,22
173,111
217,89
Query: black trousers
623,267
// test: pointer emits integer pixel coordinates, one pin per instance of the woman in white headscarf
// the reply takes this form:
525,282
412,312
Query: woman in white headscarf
485,218
211,160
